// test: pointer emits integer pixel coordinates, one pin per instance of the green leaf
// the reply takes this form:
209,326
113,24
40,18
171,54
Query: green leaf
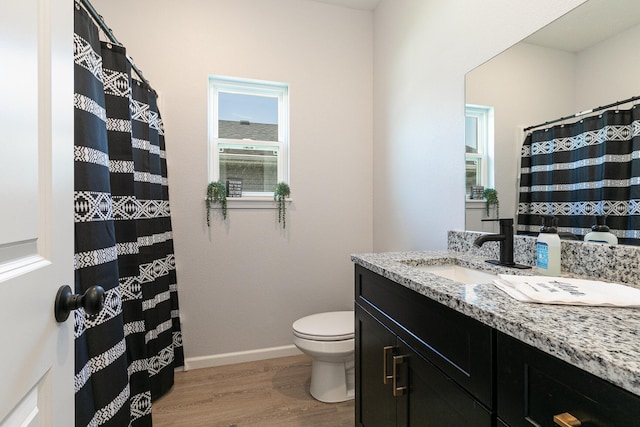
216,193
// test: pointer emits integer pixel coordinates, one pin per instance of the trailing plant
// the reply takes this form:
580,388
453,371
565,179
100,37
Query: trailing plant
216,193
280,194
491,197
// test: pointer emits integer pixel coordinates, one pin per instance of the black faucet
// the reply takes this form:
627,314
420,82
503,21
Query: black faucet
505,237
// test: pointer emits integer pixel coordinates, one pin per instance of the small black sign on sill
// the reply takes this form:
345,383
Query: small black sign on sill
477,192
234,187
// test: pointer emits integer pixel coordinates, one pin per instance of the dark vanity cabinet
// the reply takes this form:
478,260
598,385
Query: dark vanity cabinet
418,362
537,389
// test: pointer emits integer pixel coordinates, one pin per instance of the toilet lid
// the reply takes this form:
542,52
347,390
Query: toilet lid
332,326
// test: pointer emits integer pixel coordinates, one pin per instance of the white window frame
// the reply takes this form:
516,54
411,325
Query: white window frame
484,116
280,91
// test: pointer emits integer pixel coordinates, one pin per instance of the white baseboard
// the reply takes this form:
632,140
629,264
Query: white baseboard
240,357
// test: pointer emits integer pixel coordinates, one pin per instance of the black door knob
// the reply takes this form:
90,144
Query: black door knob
92,301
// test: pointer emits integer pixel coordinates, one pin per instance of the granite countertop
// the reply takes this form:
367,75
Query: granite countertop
604,341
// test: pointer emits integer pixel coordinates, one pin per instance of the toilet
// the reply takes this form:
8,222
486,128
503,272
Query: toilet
329,339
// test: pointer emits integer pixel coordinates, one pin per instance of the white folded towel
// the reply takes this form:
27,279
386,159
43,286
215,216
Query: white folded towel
563,290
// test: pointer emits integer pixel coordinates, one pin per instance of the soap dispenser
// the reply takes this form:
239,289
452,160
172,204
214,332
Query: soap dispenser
600,232
548,247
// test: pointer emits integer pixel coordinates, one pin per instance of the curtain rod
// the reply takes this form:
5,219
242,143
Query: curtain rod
582,113
107,31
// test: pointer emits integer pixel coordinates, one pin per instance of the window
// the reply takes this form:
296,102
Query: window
478,146
248,133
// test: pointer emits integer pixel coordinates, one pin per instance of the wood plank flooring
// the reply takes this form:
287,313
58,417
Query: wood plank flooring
267,393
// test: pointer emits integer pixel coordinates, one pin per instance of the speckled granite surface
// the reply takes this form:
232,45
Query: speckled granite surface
620,264
601,340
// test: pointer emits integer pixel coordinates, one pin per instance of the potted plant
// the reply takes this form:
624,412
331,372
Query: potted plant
216,193
280,194
491,197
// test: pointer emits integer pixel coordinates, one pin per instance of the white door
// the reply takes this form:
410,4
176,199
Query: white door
36,211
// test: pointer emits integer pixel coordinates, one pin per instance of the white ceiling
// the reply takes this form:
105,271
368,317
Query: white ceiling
353,4
588,24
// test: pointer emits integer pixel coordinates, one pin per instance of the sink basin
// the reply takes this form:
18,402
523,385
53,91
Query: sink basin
460,274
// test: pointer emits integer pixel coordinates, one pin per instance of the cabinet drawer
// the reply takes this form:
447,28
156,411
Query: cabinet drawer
458,345
533,386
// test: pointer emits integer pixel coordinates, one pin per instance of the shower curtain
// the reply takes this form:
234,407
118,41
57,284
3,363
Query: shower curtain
581,170
125,355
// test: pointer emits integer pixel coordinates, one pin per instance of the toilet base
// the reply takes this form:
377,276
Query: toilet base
332,382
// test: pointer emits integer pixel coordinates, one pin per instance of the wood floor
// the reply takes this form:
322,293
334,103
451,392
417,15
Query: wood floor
268,393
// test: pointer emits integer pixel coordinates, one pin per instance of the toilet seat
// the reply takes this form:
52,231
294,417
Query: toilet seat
331,326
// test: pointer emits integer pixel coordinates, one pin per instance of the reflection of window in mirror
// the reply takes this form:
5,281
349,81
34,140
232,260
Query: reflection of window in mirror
478,146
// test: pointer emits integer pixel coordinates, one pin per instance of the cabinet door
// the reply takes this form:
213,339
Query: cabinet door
533,387
431,398
375,404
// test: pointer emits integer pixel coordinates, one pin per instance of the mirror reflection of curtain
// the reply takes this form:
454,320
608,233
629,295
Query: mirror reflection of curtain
581,170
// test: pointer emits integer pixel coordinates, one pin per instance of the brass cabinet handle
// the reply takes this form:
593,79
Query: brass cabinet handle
566,420
397,391
386,350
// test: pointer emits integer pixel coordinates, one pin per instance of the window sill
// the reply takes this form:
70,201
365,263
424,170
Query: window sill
475,203
253,202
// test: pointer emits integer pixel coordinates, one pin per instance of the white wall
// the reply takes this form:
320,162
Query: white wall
242,283
528,85
609,71
422,50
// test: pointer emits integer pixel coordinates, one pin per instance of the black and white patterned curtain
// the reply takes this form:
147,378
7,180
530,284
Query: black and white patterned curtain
125,355
581,170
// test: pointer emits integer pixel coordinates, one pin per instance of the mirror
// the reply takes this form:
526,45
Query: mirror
584,59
